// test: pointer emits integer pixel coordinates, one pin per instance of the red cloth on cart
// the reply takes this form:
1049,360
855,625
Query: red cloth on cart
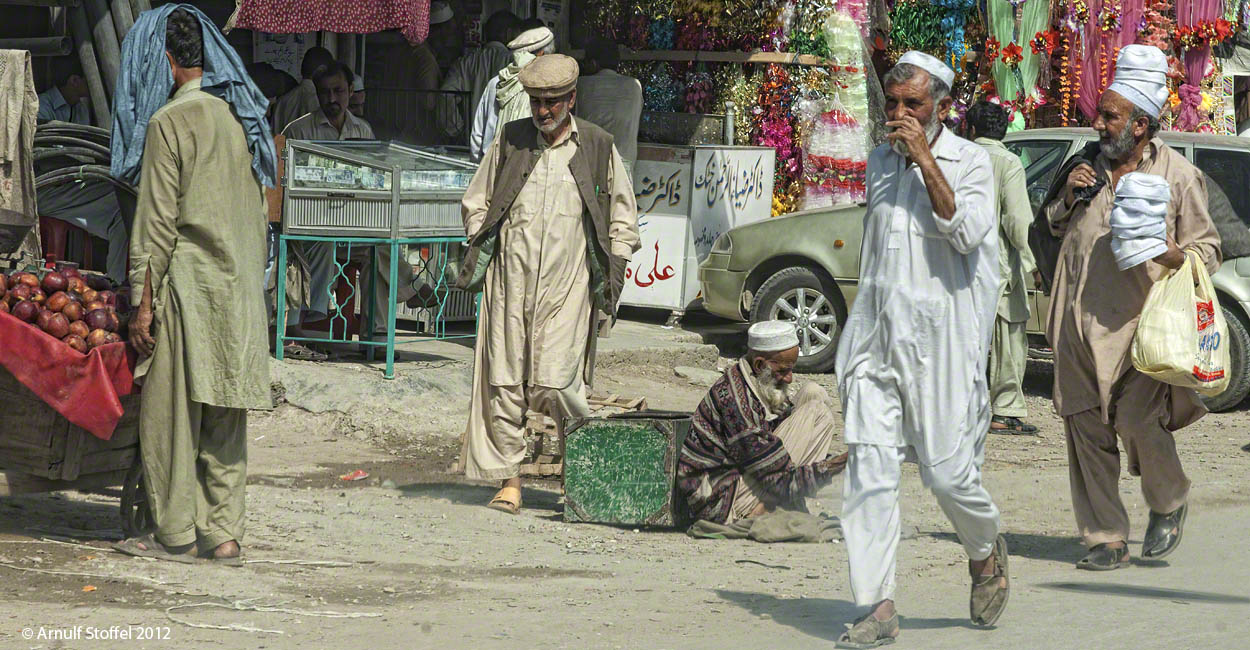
84,388
411,17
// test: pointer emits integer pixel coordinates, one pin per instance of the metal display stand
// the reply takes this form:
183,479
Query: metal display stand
369,193
439,302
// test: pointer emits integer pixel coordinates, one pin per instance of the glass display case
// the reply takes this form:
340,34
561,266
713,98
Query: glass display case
349,189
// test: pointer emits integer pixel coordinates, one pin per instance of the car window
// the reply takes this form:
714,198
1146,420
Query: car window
1228,169
1042,160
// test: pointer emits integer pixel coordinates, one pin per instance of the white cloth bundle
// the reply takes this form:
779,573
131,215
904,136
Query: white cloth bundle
1139,219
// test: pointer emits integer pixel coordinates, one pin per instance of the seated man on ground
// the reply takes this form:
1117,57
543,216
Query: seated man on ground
757,443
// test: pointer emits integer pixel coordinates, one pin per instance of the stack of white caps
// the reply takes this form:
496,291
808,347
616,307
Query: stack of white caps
1139,219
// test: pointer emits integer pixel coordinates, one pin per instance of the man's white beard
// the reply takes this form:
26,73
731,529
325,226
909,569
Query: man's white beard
556,124
777,395
1118,147
930,132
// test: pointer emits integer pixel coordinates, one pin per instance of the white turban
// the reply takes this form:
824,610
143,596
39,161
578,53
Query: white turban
930,64
1139,219
1141,76
772,336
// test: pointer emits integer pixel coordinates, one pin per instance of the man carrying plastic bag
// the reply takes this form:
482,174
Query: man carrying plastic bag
1096,306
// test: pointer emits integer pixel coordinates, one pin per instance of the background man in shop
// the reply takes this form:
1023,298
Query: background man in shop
912,359
68,100
552,200
199,228
302,99
504,99
1094,311
333,121
90,205
611,100
1009,348
471,72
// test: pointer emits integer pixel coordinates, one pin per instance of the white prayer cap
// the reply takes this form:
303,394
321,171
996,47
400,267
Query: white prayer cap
358,83
1141,76
1138,219
532,40
930,64
1138,185
440,12
772,336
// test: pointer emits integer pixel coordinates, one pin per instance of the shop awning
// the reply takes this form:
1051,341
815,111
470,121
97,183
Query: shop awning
411,17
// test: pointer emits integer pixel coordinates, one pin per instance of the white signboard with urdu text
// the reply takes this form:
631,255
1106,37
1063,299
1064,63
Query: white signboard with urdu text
732,186
656,276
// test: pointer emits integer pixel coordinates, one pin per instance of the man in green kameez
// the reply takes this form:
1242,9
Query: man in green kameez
197,249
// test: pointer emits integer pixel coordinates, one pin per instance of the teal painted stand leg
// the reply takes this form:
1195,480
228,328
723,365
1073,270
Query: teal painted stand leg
438,256
391,297
280,314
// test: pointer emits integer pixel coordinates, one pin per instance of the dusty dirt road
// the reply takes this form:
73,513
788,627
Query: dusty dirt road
409,557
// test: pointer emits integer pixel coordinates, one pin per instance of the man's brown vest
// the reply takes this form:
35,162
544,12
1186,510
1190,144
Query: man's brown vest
521,145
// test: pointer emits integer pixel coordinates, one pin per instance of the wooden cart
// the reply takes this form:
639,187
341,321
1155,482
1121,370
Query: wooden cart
40,451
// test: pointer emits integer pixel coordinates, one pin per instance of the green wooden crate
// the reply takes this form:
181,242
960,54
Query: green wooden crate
622,469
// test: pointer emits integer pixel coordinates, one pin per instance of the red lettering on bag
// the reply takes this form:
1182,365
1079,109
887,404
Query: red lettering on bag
1205,376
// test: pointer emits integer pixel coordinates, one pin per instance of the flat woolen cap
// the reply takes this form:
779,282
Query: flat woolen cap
554,75
532,40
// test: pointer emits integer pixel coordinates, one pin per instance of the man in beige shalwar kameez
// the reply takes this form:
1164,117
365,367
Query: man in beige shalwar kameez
1093,317
551,221
198,241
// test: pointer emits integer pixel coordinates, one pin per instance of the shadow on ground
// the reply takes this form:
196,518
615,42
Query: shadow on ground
823,618
43,514
1066,550
469,494
1151,593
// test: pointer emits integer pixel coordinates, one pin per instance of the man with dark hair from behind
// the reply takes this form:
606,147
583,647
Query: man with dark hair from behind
199,331
610,100
1009,347
302,99
471,72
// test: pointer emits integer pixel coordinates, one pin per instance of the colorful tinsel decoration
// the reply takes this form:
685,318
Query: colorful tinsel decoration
698,98
662,34
661,93
1109,18
774,127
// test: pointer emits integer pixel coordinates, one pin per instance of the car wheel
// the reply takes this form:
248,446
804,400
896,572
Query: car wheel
1239,365
813,304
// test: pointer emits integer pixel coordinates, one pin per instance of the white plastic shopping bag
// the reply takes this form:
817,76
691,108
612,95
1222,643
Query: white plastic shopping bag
1181,338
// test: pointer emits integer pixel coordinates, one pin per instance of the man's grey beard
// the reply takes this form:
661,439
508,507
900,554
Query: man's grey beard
779,396
556,124
930,132
1120,145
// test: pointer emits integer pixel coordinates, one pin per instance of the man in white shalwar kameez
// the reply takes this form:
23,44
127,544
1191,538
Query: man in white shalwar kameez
553,204
912,359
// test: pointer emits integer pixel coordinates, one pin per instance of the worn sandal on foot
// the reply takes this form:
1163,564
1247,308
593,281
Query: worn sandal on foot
989,593
147,546
1163,534
868,632
1104,558
1012,426
507,500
